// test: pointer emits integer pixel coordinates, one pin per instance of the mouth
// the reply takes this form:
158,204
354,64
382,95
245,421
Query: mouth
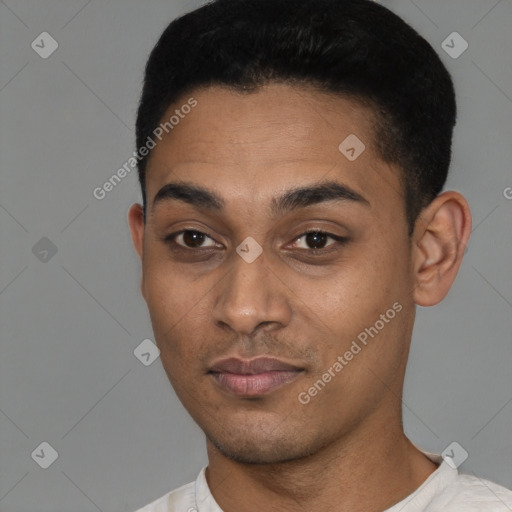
251,378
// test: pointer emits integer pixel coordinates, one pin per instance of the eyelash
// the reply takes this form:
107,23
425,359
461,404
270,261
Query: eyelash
171,241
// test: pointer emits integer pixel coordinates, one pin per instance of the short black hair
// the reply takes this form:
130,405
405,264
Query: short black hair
356,49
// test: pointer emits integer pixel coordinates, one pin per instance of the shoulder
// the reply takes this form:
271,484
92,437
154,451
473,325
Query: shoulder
470,493
182,499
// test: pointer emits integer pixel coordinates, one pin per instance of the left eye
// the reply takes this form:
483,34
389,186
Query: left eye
317,239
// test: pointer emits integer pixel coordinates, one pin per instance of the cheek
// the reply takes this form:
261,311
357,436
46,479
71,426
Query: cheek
177,308
357,289
364,287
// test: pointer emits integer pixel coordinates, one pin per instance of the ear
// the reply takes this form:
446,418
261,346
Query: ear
137,227
440,238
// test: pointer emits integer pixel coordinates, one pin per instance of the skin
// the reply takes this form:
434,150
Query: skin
345,449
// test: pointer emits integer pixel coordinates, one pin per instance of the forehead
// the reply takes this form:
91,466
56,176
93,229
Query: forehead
248,145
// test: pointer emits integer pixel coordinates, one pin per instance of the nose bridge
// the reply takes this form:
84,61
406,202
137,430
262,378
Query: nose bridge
249,296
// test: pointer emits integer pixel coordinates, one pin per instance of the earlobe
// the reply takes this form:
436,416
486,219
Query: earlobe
441,235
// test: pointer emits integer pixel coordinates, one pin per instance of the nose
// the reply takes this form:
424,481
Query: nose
251,296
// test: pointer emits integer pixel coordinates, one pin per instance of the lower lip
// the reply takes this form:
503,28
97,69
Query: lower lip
254,385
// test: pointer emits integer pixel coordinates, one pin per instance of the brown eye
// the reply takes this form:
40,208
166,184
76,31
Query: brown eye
190,239
317,240
193,238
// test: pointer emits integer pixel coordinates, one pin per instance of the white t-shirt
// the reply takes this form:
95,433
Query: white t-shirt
445,490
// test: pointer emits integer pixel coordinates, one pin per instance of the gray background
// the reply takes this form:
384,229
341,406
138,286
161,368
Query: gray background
70,324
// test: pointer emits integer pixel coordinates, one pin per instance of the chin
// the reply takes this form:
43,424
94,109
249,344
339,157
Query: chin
257,454
259,447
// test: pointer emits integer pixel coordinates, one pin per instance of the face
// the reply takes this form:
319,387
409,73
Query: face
277,270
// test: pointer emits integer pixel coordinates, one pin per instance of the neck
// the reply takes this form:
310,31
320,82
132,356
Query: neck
369,472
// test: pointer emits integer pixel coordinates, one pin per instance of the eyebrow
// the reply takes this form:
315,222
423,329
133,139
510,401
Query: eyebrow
290,200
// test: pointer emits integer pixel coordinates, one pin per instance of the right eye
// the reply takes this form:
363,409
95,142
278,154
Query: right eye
189,239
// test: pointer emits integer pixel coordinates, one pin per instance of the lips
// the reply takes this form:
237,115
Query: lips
254,377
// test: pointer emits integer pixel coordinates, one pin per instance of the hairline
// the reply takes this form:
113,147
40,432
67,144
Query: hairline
376,124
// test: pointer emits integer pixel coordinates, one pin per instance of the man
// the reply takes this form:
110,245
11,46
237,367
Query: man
291,157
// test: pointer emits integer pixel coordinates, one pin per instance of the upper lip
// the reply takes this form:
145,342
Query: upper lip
252,366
